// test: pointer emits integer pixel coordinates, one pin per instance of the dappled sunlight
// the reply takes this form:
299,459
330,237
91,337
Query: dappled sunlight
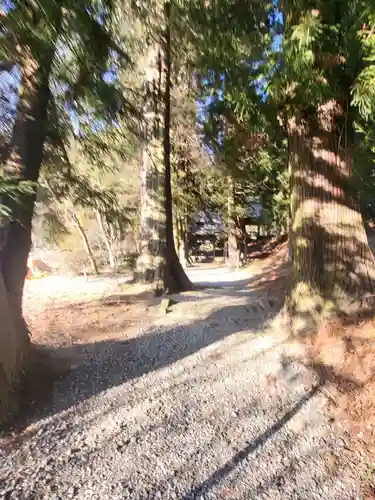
120,333
208,420
333,266
212,164
341,353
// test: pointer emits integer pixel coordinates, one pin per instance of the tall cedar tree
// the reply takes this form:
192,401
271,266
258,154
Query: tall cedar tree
306,79
332,263
175,278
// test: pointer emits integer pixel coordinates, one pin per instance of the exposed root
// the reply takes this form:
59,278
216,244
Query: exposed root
306,309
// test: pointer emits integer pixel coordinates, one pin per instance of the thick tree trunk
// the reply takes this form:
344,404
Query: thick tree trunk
14,353
106,239
232,239
145,270
151,259
332,262
78,226
175,278
150,262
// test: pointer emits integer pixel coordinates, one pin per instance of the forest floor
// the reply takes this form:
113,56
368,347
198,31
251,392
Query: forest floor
212,400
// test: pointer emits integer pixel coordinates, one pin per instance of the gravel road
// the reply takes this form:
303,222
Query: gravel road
207,403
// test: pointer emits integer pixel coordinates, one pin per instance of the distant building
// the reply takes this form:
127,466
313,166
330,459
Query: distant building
206,225
253,210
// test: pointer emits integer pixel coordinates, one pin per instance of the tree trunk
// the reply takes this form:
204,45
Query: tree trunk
289,217
76,223
183,245
175,278
181,241
176,231
145,271
106,239
186,241
332,262
232,239
150,262
23,163
183,253
14,353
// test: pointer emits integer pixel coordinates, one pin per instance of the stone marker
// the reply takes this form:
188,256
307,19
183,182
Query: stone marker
166,304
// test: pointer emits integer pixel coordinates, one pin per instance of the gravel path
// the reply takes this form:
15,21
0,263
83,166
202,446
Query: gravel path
205,404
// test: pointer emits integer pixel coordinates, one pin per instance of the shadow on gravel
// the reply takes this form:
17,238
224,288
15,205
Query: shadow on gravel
220,474
105,364
94,367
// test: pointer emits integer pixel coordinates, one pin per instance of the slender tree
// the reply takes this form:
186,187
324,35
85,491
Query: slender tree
81,231
106,236
232,238
175,278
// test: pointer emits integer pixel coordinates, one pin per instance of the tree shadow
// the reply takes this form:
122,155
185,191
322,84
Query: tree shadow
324,376
342,355
101,365
243,454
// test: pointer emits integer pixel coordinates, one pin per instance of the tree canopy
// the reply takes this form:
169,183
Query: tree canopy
218,104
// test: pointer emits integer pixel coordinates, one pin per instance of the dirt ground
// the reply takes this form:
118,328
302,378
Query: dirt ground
205,402
61,311
81,316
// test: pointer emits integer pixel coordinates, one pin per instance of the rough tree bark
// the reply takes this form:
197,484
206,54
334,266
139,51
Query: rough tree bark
181,225
150,262
78,226
175,278
332,262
